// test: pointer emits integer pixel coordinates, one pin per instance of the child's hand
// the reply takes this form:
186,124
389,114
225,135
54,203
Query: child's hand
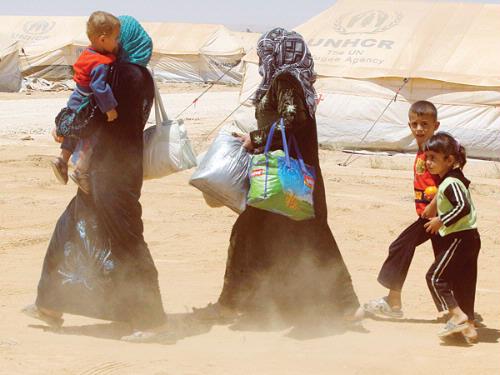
429,212
433,225
112,115
56,137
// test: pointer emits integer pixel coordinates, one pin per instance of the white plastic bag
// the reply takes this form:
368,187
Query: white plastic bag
222,174
167,148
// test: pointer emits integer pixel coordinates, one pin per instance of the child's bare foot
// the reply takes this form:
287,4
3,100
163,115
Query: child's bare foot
470,333
60,168
458,318
82,180
394,299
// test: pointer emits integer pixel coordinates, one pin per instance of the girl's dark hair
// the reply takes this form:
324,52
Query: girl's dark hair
445,144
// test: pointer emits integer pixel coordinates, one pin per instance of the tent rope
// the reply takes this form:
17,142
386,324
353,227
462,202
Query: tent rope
208,88
347,161
228,116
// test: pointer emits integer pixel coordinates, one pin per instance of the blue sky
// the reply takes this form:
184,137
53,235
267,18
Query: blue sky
237,14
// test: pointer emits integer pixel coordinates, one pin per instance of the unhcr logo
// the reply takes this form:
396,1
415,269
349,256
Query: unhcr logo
38,27
368,22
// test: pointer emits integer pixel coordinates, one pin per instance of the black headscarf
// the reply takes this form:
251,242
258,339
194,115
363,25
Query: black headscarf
281,51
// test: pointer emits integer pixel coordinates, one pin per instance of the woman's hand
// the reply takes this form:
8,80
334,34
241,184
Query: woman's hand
112,115
56,137
247,142
245,139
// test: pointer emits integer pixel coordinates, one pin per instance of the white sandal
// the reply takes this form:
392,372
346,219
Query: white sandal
450,328
381,307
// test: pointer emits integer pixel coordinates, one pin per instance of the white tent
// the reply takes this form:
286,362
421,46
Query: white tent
363,50
48,44
182,52
195,52
248,41
10,72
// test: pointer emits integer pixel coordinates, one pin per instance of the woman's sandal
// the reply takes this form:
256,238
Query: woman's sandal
34,312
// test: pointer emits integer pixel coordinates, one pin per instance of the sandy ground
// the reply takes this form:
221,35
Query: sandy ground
369,204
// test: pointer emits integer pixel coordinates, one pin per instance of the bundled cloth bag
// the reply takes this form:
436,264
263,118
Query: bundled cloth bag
281,184
167,148
223,173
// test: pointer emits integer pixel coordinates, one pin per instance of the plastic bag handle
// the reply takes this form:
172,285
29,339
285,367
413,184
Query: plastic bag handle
268,146
295,145
283,136
160,113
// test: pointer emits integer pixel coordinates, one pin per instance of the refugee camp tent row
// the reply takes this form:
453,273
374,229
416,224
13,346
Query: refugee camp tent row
182,52
364,49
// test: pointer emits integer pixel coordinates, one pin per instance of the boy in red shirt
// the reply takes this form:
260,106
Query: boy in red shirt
423,123
91,71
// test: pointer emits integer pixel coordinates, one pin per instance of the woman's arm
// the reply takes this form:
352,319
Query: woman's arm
285,94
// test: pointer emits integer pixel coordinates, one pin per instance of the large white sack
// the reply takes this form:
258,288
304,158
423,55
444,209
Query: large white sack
167,148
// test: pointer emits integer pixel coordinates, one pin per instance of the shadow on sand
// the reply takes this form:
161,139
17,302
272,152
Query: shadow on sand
180,326
187,325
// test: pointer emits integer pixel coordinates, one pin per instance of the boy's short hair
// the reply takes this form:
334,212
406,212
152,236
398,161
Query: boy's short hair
422,108
101,23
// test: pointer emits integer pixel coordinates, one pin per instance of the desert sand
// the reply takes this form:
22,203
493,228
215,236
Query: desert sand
370,203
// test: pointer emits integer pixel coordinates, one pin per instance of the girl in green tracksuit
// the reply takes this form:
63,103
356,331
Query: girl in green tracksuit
452,277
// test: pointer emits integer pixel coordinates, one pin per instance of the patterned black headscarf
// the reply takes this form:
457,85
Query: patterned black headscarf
283,51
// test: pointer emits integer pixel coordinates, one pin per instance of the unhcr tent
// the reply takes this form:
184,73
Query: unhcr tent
364,49
182,52
195,52
48,45
10,72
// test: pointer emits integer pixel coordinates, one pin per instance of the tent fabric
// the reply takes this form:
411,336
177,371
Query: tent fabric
10,73
436,45
444,41
48,45
195,53
182,52
248,41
